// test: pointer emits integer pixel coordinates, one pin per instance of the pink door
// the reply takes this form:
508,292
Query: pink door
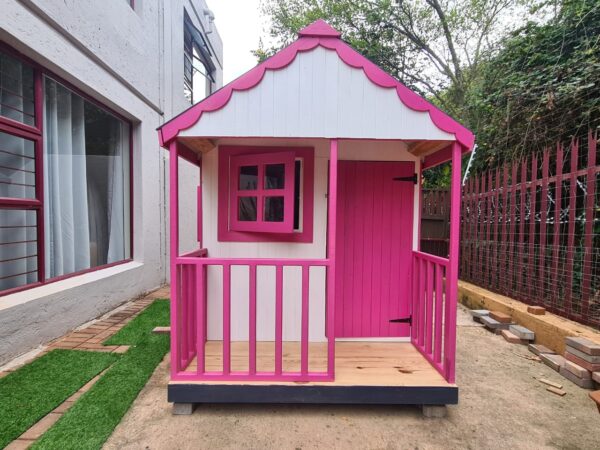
374,248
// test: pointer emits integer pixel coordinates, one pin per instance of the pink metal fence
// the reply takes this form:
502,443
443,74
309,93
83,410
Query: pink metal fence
191,332
531,231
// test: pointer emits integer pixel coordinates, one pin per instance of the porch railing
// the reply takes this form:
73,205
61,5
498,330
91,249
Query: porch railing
190,336
434,321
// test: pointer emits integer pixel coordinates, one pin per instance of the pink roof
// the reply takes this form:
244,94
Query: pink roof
319,33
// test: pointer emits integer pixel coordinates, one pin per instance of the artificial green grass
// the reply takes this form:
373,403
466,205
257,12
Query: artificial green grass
91,420
31,392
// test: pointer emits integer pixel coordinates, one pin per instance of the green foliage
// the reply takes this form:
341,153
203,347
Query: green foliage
542,87
31,392
88,423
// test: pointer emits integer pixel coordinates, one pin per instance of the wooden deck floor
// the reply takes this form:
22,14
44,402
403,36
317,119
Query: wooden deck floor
357,364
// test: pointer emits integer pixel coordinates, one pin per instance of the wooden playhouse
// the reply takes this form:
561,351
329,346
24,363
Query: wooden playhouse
308,285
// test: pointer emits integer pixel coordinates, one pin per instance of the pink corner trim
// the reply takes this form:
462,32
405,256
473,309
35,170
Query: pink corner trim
309,41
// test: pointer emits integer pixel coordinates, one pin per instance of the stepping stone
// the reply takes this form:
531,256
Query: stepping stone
577,370
582,362
553,361
536,349
537,310
522,332
500,317
583,345
512,338
584,356
581,382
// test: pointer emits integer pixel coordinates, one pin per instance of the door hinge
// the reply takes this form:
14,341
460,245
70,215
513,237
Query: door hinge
414,178
407,320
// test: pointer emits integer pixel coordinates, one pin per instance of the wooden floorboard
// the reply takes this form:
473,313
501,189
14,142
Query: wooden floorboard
357,364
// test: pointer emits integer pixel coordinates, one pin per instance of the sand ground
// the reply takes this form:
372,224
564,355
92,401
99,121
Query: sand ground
501,405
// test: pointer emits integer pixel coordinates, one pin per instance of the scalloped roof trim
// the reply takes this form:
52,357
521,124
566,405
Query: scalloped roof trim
285,57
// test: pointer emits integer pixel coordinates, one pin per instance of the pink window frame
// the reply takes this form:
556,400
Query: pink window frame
261,193
265,232
35,133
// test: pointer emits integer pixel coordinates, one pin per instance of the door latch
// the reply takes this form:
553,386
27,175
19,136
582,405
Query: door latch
412,178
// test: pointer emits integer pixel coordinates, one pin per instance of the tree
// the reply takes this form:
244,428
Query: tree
435,47
542,87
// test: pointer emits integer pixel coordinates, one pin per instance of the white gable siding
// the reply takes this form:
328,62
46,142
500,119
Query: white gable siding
317,95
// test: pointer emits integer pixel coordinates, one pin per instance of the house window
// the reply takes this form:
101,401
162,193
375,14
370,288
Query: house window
64,180
198,68
265,194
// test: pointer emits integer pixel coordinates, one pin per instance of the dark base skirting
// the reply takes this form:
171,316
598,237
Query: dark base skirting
321,394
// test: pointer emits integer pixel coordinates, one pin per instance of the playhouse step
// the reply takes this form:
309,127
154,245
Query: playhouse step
553,361
522,332
583,345
536,349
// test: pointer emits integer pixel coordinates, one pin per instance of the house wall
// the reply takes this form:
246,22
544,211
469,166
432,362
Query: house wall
348,150
130,60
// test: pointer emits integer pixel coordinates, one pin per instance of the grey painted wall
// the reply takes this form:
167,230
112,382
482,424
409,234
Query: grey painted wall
131,60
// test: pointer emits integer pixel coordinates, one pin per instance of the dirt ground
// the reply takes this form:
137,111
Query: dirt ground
501,405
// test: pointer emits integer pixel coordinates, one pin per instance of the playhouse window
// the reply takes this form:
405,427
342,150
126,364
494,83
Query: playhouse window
262,192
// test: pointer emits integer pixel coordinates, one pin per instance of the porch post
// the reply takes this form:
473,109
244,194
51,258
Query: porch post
452,273
331,245
174,249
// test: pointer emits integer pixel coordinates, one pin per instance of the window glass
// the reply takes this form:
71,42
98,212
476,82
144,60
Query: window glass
18,248
86,183
247,209
16,90
274,209
248,178
17,167
274,176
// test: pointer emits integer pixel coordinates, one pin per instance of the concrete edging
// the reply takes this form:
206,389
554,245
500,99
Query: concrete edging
550,330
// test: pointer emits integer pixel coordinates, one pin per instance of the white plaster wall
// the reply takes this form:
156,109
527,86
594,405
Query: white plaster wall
348,150
317,95
131,61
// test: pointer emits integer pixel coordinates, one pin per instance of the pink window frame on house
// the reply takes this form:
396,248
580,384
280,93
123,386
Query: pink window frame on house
35,133
230,228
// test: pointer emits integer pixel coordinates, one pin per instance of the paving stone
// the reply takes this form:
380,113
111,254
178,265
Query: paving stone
596,377
537,310
19,444
581,382
576,369
536,349
500,317
121,349
479,312
41,427
512,338
553,361
589,358
522,332
63,407
167,330
583,345
582,362
492,324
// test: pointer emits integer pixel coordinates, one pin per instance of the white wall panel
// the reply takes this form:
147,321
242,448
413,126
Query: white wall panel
317,95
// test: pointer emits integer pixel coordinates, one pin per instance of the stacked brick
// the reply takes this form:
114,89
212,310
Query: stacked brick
501,323
582,362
